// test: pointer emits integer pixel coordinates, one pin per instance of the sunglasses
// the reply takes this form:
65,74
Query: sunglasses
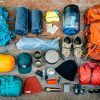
94,90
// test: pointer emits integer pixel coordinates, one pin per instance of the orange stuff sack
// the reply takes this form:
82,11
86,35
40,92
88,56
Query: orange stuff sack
7,63
92,32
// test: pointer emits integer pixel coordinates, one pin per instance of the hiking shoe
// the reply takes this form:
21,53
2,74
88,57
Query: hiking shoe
77,45
66,46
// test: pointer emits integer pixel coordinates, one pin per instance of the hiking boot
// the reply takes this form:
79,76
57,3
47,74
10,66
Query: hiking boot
66,46
77,45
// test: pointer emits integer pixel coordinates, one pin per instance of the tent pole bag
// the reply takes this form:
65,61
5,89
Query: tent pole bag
71,20
22,17
36,22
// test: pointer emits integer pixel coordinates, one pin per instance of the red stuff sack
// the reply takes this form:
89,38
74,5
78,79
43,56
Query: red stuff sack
89,73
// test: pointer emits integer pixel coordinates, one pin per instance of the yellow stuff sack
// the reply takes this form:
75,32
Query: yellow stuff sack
52,16
7,62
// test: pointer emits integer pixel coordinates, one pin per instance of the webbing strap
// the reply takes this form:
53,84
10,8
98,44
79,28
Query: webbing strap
90,52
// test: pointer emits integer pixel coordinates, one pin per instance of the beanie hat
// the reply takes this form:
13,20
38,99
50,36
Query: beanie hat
32,85
67,70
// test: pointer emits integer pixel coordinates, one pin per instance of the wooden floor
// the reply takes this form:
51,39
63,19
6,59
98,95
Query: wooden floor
45,5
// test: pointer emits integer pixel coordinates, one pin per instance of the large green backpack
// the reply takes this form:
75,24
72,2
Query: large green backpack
5,35
10,86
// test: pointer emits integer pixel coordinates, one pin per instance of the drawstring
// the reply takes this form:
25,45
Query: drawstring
90,52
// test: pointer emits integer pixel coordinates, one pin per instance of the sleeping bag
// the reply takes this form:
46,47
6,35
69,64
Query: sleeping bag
10,86
7,62
71,20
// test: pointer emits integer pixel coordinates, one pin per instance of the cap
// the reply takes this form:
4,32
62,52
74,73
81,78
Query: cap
24,61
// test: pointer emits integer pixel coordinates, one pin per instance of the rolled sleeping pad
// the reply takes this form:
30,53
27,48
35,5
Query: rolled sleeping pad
22,17
36,22
71,20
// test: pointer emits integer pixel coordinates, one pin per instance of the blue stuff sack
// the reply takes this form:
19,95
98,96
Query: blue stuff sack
21,23
71,20
4,28
10,86
36,22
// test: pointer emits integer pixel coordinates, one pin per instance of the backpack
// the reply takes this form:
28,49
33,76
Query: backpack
89,73
10,86
92,32
5,35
